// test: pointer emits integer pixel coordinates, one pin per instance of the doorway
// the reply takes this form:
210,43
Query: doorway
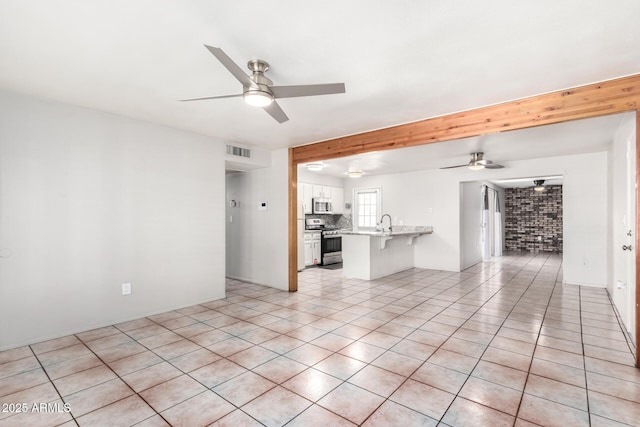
630,257
623,285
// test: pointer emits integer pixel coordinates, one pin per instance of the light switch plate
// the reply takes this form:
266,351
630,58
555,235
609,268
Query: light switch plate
126,289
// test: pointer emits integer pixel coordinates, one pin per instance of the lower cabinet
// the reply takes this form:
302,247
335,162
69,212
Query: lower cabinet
316,251
308,252
312,245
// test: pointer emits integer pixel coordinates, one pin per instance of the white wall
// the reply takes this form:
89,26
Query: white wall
90,200
432,197
624,299
422,198
256,241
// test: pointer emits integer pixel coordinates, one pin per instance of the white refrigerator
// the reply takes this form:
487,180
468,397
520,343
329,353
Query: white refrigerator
300,236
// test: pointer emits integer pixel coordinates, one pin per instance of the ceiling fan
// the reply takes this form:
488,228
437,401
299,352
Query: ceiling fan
259,91
477,162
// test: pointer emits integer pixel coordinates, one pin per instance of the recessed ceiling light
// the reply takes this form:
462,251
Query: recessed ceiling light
315,167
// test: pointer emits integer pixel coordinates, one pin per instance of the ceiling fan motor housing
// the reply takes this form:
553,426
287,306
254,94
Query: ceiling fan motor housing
262,83
476,157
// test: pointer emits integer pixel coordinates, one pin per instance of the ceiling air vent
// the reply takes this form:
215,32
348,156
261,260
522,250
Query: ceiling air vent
232,150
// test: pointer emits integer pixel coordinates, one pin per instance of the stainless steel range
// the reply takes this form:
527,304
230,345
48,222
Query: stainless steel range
331,242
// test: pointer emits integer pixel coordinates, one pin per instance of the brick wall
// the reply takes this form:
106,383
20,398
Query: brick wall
529,214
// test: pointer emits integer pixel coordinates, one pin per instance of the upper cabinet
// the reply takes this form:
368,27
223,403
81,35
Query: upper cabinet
322,191
337,200
306,193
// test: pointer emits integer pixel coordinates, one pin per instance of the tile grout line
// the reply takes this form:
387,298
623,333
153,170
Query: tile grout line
555,285
494,336
389,349
225,358
450,335
584,359
51,382
627,336
120,378
184,373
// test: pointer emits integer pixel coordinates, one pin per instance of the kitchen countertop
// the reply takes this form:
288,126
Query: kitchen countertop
396,231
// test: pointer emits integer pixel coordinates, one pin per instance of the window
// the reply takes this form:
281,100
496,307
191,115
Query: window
367,208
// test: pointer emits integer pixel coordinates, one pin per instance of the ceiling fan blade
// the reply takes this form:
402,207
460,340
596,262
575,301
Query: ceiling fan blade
212,97
231,66
306,90
453,167
493,166
276,112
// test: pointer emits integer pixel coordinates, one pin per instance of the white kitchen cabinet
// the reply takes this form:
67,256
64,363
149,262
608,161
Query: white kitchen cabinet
306,196
312,246
322,191
308,253
337,200
300,200
306,193
316,251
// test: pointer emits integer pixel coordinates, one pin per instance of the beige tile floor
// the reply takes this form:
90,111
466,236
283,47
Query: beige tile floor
502,343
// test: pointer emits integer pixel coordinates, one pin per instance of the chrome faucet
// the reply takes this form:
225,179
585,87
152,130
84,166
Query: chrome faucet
381,219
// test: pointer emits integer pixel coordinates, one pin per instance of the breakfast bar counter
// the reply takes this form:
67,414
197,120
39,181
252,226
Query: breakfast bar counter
369,255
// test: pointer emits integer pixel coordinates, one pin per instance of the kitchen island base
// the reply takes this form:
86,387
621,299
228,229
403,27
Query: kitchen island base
364,259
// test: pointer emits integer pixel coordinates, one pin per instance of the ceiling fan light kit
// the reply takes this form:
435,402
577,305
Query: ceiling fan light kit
259,91
257,98
539,185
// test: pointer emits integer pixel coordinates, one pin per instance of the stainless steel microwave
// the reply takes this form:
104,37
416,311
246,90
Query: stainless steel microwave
321,206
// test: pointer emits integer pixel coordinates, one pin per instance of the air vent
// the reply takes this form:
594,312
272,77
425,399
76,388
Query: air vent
232,150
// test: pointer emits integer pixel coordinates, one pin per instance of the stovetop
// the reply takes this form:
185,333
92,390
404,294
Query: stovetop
331,231
316,224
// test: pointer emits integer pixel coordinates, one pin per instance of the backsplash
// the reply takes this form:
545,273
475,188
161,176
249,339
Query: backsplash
338,220
530,215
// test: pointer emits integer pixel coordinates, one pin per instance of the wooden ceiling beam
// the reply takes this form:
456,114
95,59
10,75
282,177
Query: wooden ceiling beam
598,99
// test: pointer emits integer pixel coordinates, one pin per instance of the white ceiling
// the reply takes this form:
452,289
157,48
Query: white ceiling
401,61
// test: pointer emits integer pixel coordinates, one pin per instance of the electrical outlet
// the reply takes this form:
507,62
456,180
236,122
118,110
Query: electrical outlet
126,289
